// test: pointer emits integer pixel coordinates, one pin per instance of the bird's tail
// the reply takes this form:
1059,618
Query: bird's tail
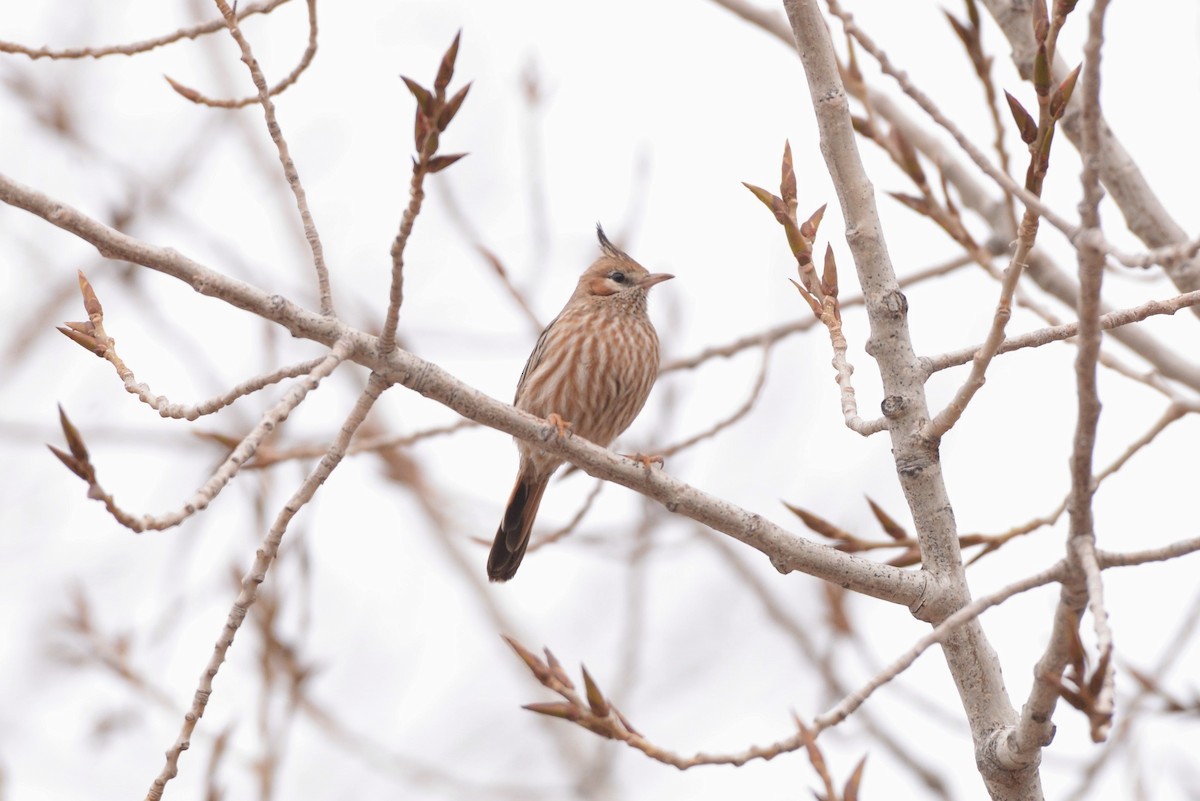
512,537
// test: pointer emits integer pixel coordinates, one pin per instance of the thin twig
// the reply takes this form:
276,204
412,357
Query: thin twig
416,196
843,709
783,616
1043,336
263,560
1164,553
931,109
983,70
1082,587
285,158
1174,411
773,335
310,52
743,410
433,114
1175,648
179,411
266,457
459,219
228,469
573,523
144,46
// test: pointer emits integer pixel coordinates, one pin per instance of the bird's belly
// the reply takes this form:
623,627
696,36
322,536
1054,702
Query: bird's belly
601,386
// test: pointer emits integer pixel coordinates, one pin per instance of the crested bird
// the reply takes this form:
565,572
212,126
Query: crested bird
590,374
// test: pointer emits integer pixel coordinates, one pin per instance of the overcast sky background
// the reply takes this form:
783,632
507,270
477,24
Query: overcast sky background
653,114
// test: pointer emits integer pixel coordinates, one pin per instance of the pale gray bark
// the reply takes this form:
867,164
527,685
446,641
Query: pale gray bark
970,657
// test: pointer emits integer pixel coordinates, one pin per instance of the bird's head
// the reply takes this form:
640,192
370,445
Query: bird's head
615,273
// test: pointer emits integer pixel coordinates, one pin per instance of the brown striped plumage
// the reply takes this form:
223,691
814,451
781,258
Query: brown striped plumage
593,367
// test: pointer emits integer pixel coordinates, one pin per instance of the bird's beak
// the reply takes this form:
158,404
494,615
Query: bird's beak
654,278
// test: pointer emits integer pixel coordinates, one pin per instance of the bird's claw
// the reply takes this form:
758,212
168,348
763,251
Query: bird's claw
561,426
647,461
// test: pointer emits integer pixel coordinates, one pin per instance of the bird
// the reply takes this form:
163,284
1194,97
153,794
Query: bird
589,375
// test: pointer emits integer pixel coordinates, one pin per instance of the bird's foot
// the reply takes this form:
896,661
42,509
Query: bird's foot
560,425
647,461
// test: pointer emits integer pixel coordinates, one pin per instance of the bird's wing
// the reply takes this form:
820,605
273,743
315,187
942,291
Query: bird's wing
535,358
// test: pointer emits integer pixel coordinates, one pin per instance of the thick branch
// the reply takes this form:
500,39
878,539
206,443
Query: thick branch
787,551
972,661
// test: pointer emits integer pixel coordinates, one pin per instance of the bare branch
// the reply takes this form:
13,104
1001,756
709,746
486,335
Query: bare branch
263,560
1035,339
1082,541
971,34
285,158
787,551
225,472
773,335
570,526
493,260
844,708
310,52
969,655
743,410
94,338
134,48
597,714
266,456
1144,212
1083,585
434,112
1165,553
180,411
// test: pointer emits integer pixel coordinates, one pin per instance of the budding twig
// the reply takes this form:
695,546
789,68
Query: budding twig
434,113
819,292
79,462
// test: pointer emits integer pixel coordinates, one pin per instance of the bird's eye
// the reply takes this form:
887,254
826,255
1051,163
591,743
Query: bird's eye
617,275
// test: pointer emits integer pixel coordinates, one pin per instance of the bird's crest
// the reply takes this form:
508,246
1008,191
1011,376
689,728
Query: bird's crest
608,247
